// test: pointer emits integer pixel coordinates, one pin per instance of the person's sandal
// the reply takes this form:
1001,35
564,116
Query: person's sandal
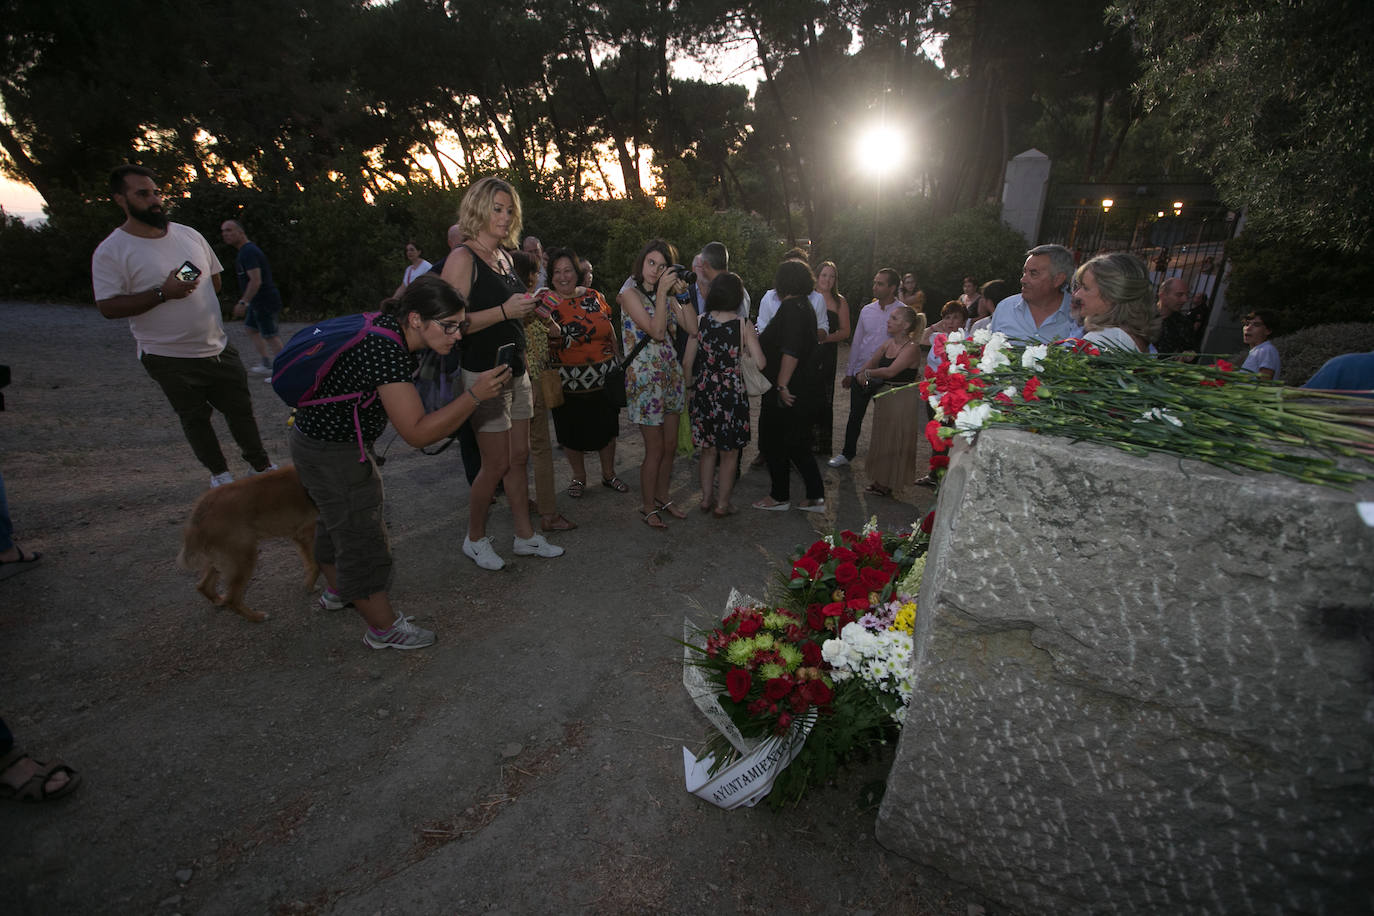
556,522
35,787
654,520
671,509
576,488
615,483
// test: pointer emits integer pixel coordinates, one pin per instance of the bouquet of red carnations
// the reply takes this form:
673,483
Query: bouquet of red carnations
813,676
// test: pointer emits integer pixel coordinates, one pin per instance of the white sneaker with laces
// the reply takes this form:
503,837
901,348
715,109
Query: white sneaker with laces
536,546
260,370
838,461
402,635
219,480
270,467
330,601
482,553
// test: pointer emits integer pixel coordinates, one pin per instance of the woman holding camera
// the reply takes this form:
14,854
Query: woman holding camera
651,312
481,270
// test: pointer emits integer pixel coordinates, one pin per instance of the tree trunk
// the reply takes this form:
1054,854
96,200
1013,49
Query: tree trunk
629,165
785,129
26,166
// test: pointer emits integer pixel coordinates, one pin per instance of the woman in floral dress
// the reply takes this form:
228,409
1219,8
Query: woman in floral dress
650,308
720,403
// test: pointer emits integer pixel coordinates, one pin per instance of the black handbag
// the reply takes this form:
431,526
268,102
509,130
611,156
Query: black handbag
615,376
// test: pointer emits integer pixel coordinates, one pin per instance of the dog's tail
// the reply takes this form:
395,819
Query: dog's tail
192,541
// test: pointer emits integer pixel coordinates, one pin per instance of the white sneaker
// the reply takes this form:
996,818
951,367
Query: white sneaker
270,467
402,635
536,546
219,480
838,461
330,600
267,378
260,370
483,554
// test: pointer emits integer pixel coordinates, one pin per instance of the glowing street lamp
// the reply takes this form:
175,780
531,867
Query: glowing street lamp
1107,203
1178,208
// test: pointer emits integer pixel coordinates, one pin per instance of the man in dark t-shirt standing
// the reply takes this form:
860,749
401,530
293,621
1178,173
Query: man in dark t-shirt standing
259,301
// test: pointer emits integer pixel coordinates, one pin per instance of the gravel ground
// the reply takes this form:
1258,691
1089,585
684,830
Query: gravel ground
528,763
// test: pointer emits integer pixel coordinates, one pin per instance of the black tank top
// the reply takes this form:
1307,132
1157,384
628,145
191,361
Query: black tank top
490,290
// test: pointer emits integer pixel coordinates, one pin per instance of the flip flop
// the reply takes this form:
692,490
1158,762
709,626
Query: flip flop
576,488
772,507
671,509
816,506
615,483
27,560
34,789
653,520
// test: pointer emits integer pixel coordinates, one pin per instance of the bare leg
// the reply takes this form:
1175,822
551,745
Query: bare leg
664,478
649,467
495,449
578,463
376,610
607,456
729,460
517,477
707,469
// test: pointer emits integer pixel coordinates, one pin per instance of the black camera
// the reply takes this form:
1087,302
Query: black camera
686,275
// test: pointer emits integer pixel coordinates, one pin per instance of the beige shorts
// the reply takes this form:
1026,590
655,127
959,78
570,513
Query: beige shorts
515,402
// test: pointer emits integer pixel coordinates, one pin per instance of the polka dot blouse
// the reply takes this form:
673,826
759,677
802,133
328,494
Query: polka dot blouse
376,360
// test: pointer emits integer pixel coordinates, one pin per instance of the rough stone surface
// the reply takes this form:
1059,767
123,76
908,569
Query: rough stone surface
1143,686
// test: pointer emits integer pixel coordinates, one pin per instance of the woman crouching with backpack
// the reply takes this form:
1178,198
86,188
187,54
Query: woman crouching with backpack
351,542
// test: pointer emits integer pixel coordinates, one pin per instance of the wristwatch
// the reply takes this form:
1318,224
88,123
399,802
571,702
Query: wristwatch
161,296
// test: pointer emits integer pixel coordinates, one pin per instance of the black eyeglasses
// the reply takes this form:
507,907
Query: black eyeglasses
453,327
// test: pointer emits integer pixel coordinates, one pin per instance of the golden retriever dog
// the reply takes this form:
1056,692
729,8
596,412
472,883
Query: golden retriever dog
226,523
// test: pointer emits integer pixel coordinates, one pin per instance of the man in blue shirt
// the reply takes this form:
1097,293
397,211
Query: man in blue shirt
1041,313
259,302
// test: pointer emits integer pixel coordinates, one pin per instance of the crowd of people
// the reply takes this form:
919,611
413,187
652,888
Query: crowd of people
530,342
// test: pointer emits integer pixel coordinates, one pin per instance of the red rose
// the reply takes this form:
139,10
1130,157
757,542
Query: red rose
846,573
798,702
750,625
777,687
738,682
817,693
857,604
784,720
844,554
811,654
819,551
805,566
832,609
873,580
928,523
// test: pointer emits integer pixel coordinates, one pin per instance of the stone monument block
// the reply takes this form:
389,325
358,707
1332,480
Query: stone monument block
1143,685
1023,193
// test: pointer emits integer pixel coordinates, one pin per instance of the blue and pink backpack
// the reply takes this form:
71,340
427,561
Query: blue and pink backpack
301,366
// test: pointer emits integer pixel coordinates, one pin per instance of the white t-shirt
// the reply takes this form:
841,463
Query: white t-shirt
1263,355
188,328
415,270
768,307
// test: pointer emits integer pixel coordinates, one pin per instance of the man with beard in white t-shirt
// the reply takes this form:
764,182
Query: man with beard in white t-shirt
141,273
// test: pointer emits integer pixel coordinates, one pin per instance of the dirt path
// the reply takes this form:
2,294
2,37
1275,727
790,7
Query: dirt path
528,763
